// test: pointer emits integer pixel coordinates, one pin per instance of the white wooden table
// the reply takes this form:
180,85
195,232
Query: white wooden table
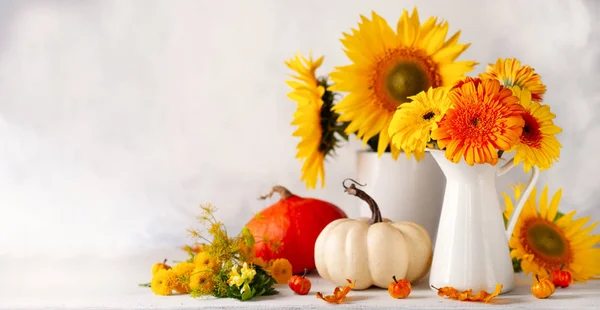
112,284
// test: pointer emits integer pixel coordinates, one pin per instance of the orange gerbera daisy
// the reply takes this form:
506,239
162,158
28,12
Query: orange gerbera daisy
485,117
509,72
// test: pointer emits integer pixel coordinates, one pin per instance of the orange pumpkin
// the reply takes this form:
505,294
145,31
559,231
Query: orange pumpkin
399,289
543,288
290,227
160,266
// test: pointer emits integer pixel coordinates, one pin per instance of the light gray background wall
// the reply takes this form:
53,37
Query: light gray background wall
118,118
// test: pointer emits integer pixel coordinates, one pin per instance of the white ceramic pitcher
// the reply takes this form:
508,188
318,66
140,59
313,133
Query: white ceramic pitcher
471,249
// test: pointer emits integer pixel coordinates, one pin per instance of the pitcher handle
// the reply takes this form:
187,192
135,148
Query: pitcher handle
535,173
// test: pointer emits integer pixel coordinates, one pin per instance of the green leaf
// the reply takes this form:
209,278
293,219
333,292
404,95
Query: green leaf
558,216
516,265
247,295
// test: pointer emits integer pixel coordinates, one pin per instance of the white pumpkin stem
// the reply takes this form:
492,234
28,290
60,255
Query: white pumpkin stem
352,190
282,191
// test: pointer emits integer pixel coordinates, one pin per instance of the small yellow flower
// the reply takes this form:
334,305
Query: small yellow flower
241,280
208,208
216,229
164,282
281,270
202,281
235,278
183,271
248,273
204,260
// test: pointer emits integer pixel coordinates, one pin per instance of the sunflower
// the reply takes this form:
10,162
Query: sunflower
317,125
391,66
484,117
544,242
281,270
411,126
509,72
539,147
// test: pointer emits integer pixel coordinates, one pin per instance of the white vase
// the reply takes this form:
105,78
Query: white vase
471,249
404,189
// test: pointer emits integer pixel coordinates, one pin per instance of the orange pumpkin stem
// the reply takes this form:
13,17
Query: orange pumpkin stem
394,277
352,190
282,191
537,278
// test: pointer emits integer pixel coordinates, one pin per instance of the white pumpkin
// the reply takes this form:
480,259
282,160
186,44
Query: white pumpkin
371,251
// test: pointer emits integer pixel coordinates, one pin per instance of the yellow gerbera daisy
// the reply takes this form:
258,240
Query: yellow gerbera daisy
544,242
317,123
411,126
509,72
538,145
281,270
388,67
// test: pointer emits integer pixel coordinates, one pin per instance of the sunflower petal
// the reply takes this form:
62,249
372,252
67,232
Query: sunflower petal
553,209
543,204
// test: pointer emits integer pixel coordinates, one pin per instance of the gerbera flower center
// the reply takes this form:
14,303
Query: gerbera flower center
476,125
402,73
532,136
546,241
429,115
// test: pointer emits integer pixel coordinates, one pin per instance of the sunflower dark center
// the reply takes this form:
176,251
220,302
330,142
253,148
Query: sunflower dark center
546,240
402,73
428,116
331,130
406,79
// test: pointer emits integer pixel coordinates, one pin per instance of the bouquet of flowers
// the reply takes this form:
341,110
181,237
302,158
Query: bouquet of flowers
220,266
407,92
